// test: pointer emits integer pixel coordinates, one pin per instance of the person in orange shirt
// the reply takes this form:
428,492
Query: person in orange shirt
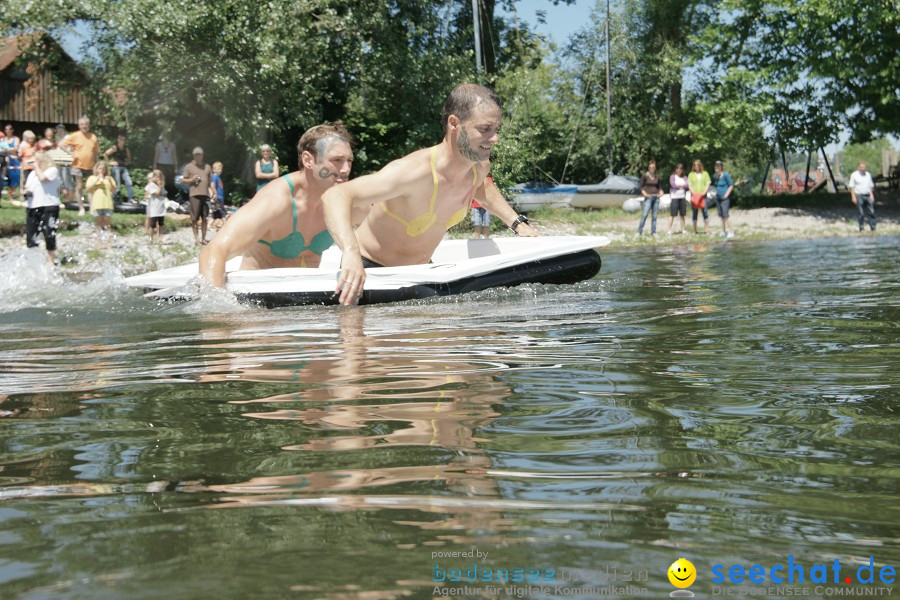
86,148
481,217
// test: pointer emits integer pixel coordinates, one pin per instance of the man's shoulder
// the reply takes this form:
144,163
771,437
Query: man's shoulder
413,165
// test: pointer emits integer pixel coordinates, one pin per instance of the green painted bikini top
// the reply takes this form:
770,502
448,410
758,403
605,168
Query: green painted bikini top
293,244
423,222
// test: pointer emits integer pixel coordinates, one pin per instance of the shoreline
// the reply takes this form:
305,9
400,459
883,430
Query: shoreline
757,224
132,254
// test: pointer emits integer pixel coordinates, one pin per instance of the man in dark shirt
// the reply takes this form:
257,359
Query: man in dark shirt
650,192
198,174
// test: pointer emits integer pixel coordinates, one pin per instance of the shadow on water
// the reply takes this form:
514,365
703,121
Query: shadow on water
728,403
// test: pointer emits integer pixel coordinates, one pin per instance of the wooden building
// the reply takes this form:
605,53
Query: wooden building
43,88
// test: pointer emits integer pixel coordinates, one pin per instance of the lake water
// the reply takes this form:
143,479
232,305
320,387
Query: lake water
732,403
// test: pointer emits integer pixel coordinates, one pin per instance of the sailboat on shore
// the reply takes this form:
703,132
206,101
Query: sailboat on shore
612,192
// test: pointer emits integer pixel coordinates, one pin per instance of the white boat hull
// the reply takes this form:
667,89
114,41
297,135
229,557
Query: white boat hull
530,202
599,200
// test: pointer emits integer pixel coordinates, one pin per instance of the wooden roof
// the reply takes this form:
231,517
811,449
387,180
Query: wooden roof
37,95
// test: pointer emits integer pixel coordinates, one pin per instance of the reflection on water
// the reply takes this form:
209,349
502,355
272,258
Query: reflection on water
731,403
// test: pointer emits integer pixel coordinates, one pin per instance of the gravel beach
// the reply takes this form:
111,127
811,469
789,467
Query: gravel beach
133,254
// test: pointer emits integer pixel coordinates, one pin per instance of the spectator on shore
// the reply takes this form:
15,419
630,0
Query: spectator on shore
120,158
698,184
481,217
101,188
862,194
26,154
724,189
63,162
266,168
155,194
9,147
650,192
2,161
678,189
165,158
86,149
198,175
42,209
48,142
220,213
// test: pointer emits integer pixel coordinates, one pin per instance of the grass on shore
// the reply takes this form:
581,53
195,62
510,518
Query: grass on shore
12,221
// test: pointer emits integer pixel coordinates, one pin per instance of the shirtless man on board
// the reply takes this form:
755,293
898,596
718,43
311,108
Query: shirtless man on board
415,199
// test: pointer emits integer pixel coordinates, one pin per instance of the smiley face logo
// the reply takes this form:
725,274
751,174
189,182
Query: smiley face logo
682,573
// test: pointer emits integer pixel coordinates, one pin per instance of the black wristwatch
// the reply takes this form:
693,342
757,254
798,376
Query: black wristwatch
515,224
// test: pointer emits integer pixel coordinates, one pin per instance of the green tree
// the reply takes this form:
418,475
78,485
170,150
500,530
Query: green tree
818,65
250,72
869,152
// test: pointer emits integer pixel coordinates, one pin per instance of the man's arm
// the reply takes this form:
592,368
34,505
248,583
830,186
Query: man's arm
108,152
239,232
850,184
490,197
396,180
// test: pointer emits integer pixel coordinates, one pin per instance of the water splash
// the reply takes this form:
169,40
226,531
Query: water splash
205,299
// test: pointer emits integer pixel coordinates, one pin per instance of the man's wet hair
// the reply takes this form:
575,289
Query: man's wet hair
464,98
309,141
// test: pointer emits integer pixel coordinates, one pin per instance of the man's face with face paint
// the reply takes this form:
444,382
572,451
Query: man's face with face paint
479,133
334,159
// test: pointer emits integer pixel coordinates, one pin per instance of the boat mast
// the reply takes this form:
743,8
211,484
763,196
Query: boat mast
608,98
477,20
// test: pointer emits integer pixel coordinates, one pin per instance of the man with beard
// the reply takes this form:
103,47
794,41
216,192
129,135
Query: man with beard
415,199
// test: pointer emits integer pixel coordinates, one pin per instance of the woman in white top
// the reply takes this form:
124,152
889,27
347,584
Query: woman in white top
42,211
165,158
678,187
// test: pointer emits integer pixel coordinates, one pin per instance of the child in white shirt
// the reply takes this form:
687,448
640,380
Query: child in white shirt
155,193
